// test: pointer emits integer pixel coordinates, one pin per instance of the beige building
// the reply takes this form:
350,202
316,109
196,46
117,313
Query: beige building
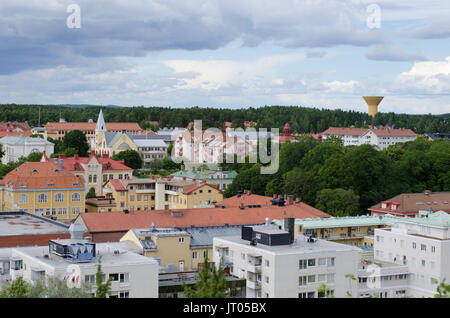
160,194
177,249
96,171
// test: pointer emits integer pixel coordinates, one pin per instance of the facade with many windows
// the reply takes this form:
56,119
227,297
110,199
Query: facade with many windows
76,260
303,268
422,244
43,189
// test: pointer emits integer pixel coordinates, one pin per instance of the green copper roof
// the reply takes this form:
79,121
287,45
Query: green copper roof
363,220
439,219
203,174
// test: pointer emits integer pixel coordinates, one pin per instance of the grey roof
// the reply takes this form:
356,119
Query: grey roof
23,223
231,174
150,143
20,140
203,236
112,137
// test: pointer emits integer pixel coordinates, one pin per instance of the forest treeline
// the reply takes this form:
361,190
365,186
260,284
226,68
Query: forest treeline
301,119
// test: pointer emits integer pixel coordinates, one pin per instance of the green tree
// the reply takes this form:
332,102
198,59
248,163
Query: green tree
302,184
77,139
34,156
211,284
131,157
18,288
103,289
442,290
91,193
337,202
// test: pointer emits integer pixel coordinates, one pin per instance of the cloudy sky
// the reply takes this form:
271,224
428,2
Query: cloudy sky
316,53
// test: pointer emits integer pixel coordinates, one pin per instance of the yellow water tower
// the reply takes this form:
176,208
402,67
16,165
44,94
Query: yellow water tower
373,102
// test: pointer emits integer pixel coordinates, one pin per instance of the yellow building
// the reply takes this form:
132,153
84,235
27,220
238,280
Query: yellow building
160,194
186,249
351,230
43,188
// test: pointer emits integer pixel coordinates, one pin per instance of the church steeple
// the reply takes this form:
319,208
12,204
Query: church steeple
101,126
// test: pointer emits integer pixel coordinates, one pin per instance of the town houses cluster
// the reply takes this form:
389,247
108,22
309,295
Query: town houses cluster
153,234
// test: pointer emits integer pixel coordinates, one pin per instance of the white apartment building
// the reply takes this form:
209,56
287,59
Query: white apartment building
422,244
15,147
380,137
279,264
76,260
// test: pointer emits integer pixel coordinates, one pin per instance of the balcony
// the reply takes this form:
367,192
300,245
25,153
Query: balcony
146,190
256,284
254,268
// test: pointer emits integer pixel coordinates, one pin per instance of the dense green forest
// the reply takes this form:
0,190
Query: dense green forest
347,180
301,119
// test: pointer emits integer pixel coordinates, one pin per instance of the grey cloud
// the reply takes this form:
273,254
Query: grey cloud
394,54
35,36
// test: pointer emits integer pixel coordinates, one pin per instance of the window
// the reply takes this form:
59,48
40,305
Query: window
302,264
89,279
330,278
267,263
111,176
59,197
322,261
423,247
76,210
205,254
414,245
311,262
42,198
194,255
62,211
90,178
181,240
139,198
330,261
76,197
302,280
120,176
145,197
95,178
266,278
124,277
105,178
124,294
311,279
23,198
423,263
306,295
433,249
114,277
131,197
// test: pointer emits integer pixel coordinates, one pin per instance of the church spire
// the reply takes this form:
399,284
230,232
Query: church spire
101,126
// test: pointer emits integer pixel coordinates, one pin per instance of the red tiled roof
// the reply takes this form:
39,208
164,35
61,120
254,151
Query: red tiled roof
26,133
386,131
188,191
120,221
41,175
117,185
411,203
91,126
345,131
74,163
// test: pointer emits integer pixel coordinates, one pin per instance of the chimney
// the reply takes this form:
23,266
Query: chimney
55,160
249,192
61,164
76,157
290,199
241,205
289,227
267,221
274,196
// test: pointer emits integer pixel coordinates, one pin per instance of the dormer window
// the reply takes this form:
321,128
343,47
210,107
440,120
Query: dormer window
383,205
393,206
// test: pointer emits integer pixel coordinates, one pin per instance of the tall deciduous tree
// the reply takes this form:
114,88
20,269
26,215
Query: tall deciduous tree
211,284
131,157
77,139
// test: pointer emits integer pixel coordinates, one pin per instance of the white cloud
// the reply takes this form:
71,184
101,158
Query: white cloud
431,77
